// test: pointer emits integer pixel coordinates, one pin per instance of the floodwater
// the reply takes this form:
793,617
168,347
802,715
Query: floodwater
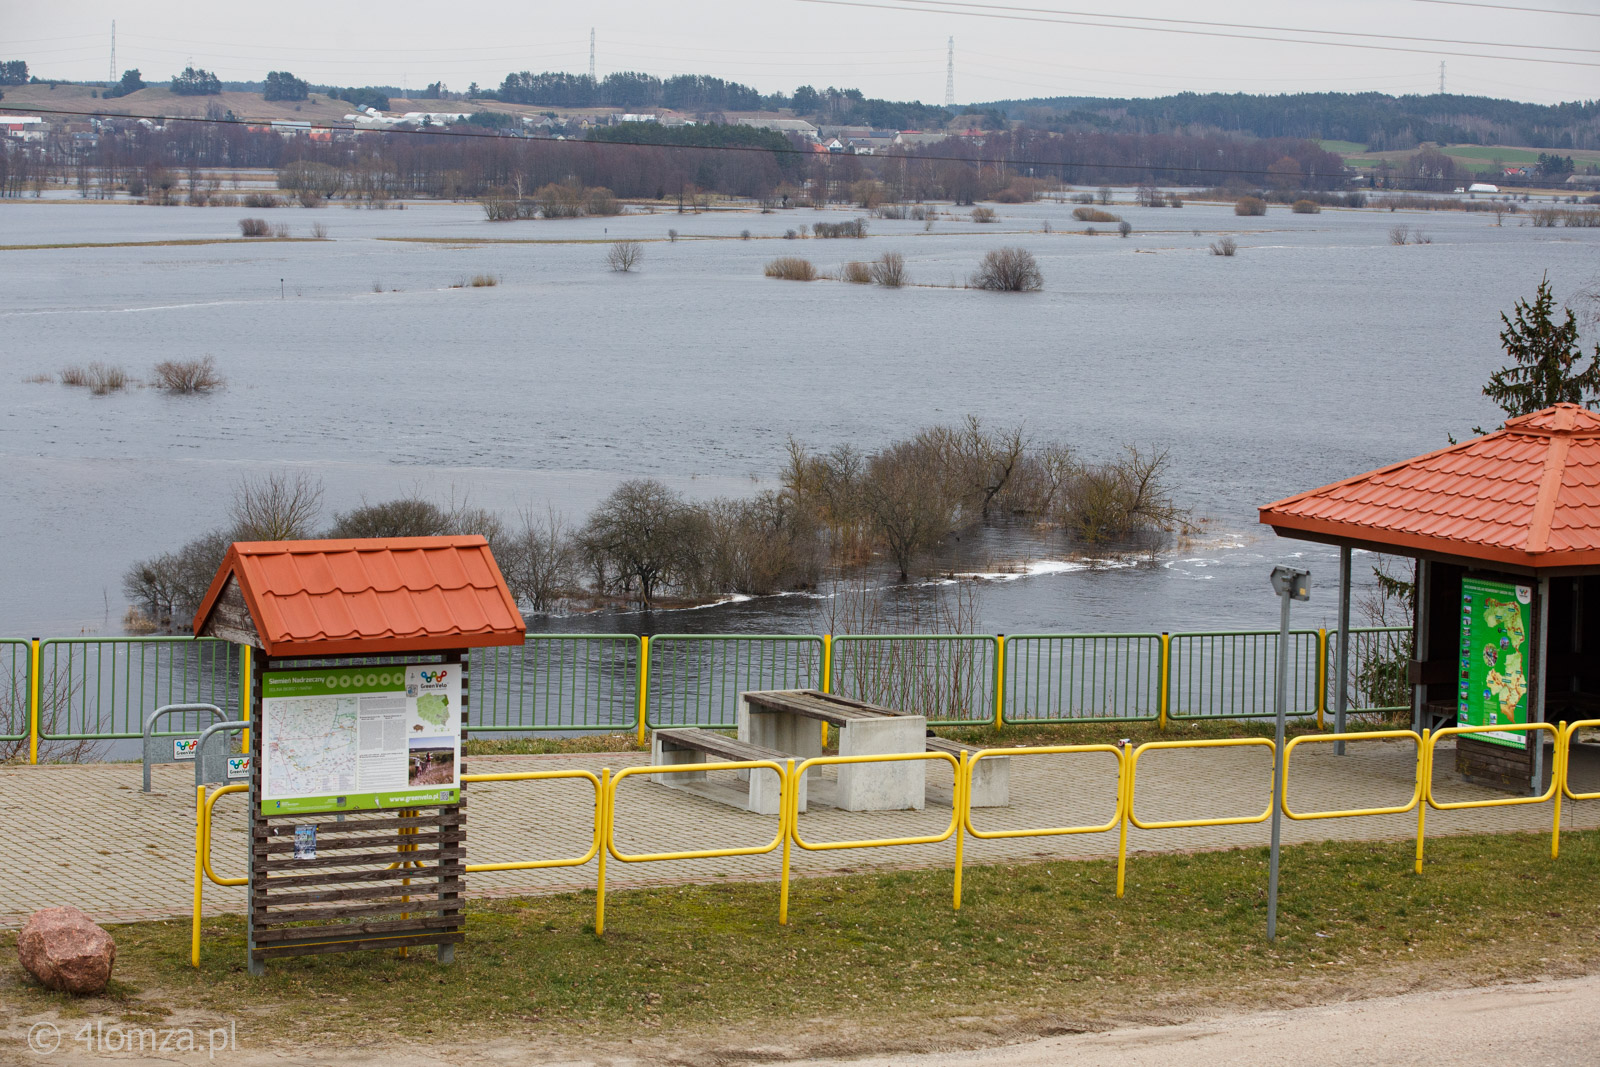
1319,351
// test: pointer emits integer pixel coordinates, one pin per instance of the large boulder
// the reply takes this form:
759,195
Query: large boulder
65,950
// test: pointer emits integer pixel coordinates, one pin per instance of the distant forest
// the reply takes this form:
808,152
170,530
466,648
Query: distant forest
1381,122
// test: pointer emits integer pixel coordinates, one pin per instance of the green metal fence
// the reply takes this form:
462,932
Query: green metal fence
1233,675
950,678
16,688
696,679
557,682
1058,678
1378,658
102,688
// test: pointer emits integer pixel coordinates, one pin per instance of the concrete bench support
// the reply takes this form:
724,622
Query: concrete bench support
674,747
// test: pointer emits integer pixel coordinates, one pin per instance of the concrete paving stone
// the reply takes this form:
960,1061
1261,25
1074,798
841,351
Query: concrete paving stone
84,835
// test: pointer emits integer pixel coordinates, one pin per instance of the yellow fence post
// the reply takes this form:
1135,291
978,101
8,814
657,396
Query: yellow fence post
1322,673
244,699
644,685
1424,775
789,804
827,678
999,682
1162,697
199,872
604,817
1558,774
962,799
33,705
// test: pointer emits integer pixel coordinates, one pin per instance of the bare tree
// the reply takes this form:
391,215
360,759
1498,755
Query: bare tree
623,256
1008,270
540,560
282,506
636,538
906,501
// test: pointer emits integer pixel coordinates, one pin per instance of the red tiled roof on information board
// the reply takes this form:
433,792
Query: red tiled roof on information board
1527,495
364,596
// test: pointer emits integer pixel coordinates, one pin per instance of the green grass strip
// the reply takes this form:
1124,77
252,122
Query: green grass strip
1043,946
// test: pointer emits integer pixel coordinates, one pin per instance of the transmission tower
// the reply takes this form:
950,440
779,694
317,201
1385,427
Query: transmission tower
591,56
950,76
112,78
1441,77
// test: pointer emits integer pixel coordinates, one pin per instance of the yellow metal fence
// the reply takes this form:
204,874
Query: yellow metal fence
787,835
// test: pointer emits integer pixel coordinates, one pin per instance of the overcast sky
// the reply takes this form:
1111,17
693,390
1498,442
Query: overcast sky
779,44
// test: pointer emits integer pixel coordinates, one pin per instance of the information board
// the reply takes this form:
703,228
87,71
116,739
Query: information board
1492,690
360,738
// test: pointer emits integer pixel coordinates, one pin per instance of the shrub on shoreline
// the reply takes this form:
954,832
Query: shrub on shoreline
1008,270
1250,205
791,268
188,375
1090,214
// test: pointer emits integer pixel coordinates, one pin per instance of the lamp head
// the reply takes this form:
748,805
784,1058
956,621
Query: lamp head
1293,581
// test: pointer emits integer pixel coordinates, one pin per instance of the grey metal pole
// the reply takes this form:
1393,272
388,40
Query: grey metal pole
1343,700
1277,769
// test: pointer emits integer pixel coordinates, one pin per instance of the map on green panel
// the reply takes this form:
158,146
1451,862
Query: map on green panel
1493,682
433,708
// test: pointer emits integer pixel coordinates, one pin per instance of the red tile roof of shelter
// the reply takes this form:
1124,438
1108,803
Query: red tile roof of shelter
367,596
1526,495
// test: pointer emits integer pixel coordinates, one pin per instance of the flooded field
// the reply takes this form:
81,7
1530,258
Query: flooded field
1320,350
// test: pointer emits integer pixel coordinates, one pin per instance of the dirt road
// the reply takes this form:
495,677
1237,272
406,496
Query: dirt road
1531,1025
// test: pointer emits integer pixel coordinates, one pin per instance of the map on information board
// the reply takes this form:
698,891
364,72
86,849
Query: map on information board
360,738
1492,688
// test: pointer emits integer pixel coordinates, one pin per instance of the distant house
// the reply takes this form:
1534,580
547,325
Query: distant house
906,138
25,127
636,118
795,126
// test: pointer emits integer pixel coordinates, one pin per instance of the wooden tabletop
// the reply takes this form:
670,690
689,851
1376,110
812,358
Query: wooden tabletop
840,711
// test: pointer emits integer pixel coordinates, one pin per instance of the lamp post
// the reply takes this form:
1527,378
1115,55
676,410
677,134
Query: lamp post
1290,584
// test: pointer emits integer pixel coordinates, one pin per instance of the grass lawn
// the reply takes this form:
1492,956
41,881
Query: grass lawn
1344,148
879,962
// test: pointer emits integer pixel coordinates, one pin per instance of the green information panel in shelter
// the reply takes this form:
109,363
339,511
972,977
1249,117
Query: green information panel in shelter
1492,687
360,738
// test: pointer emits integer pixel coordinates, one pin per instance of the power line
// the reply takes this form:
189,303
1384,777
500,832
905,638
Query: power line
918,6
1246,26
1509,7
436,131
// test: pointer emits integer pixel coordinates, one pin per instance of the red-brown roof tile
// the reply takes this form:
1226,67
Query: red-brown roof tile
369,596
1527,494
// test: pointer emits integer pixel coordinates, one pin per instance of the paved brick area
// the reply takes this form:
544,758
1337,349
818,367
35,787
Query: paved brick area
86,835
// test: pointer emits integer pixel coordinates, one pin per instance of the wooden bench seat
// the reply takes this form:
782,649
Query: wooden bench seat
693,745
991,776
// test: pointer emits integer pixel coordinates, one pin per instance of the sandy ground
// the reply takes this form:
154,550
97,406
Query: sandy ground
1531,1024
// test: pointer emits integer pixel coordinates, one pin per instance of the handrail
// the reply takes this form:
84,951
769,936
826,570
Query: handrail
202,858
545,776
1375,735
1184,824
1558,773
1567,732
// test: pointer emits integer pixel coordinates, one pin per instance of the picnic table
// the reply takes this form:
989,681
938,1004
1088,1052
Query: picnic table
788,720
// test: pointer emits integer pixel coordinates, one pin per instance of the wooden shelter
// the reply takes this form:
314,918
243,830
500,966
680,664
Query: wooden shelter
359,700
1507,523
